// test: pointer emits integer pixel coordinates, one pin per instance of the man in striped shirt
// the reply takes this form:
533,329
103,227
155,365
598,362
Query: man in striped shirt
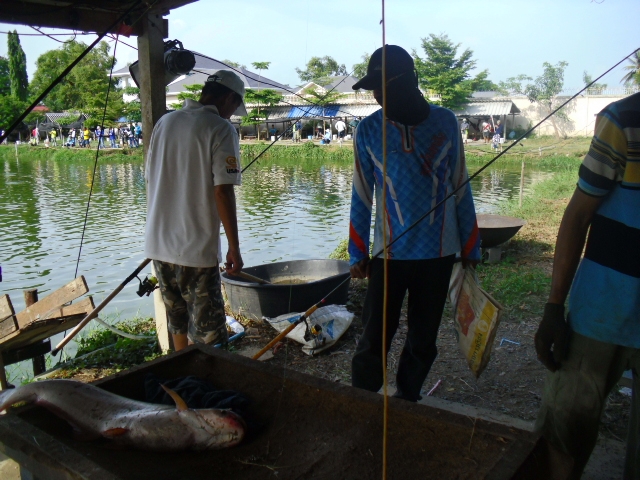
425,164
601,336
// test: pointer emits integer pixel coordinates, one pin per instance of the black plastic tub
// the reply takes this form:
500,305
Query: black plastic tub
254,300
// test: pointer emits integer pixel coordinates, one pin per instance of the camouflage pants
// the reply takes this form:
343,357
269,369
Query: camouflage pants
194,301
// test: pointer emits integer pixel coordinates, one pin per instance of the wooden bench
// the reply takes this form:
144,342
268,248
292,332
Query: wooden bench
25,335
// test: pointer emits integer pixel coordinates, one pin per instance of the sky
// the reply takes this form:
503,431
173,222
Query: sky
507,37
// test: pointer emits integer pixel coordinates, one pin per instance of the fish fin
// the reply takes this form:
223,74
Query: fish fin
180,403
115,432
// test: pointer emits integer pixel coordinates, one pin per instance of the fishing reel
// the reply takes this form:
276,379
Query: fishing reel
147,286
314,333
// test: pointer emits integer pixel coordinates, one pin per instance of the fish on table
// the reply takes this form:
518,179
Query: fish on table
95,413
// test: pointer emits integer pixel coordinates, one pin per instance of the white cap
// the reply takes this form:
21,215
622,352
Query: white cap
234,83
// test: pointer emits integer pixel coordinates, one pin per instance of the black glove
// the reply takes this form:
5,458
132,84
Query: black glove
553,331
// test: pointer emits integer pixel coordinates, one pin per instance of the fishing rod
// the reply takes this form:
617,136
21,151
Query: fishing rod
94,313
441,202
66,71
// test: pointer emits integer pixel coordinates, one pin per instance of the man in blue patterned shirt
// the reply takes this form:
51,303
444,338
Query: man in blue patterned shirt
425,163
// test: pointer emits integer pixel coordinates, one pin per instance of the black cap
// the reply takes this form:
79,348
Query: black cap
398,63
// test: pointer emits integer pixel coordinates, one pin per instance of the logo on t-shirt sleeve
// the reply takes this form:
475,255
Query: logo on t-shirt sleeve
232,165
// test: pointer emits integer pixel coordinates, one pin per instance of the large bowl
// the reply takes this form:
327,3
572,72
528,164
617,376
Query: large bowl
256,300
497,229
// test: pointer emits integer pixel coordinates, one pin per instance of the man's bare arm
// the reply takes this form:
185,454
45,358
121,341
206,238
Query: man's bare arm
570,243
226,204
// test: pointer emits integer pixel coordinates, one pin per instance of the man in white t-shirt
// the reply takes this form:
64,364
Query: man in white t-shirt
192,165
341,127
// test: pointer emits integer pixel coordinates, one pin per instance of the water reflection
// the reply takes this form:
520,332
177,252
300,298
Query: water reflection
285,211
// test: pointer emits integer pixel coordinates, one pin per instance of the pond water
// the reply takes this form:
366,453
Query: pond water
285,212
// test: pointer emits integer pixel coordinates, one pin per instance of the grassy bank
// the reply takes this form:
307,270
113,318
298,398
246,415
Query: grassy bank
102,352
522,280
307,152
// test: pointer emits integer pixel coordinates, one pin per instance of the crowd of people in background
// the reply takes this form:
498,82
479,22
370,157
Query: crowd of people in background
126,135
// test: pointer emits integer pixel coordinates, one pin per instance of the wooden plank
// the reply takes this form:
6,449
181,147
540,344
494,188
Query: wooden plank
39,331
6,307
55,300
81,307
8,323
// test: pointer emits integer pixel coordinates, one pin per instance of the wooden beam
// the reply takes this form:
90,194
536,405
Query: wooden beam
37,358
46,307
31,351
153,97
73,18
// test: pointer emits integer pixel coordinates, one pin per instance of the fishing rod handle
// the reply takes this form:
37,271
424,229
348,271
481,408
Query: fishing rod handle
279,337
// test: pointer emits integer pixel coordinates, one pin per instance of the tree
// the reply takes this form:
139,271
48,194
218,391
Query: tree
17,67
633,75
318,69
444,73
193,92
132,109
10,109
596,88
85,87
233,64
5,79
360,69
544,90
322,98
266,97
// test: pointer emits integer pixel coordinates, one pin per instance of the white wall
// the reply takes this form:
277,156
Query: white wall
581,113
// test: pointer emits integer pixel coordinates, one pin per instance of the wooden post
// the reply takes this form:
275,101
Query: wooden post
153,100
521,184
39,364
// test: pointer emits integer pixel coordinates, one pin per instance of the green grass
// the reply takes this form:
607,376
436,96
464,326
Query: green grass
283,153
102,349
520,289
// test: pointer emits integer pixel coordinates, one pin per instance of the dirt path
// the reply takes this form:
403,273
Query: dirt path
511,384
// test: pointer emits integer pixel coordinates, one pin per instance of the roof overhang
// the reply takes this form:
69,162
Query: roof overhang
81,15
488,108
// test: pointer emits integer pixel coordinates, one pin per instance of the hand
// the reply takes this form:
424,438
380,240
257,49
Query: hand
553,331
234,262
362,269
466,263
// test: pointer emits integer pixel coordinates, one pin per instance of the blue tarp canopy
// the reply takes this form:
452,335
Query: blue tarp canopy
313,111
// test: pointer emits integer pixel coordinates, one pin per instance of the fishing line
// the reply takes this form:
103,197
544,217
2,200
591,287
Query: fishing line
95,163
66,71
51,37
385,284
468,180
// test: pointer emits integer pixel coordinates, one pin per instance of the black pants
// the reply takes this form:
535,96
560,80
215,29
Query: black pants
427,282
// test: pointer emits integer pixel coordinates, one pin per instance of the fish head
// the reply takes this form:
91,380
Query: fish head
215,428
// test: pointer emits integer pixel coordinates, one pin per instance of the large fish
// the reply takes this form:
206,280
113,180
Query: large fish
95,413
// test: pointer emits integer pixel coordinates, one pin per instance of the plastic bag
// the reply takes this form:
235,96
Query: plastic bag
476,316
333,321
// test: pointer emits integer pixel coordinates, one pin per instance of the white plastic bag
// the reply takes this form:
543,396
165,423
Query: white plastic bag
235,326
476,316
333,321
